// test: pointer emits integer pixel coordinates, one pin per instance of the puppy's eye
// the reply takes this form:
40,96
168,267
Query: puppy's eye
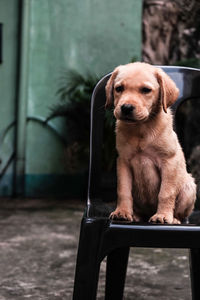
145,90
119,88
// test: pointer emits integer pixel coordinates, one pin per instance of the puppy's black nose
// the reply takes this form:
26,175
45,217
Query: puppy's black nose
126,109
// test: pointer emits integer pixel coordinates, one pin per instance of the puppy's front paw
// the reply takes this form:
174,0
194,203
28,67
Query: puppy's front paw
122,214
164,218
176,221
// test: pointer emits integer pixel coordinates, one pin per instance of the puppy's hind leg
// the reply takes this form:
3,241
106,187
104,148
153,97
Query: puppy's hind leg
185,200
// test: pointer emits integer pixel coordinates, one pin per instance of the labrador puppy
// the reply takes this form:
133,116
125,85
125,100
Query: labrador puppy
152,181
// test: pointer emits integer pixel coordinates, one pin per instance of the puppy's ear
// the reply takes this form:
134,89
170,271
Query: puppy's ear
109,88
168,89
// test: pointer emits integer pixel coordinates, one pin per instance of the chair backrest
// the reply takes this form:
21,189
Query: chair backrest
186,79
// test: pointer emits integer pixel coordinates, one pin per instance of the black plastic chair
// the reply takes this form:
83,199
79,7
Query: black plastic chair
101,237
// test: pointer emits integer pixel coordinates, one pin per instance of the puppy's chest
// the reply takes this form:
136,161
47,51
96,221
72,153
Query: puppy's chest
140,154
146,172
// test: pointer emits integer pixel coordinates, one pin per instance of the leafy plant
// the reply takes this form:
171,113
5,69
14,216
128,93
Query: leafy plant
74,97
191,62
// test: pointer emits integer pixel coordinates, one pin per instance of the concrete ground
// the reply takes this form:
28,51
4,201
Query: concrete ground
38,246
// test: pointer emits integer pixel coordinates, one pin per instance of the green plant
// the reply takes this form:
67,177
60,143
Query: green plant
74,97
190,62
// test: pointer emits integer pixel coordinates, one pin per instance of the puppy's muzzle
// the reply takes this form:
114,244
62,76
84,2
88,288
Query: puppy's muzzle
127,110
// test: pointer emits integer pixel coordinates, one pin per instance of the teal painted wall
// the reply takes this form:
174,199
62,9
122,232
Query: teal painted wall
67,34
86,35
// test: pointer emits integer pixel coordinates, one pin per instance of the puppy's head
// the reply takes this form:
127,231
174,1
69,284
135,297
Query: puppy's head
139,91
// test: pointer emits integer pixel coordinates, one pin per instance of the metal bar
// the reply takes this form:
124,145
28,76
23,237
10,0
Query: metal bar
22,99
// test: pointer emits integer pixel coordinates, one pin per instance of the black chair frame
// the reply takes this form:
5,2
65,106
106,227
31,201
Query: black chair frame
101,237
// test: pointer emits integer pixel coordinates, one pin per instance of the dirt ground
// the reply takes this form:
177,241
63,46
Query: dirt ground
38,246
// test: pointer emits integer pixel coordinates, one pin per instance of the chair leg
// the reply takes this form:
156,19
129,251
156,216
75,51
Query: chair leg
117,262
195,273
87,265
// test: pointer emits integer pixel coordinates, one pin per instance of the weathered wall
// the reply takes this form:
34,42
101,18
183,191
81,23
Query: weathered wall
86,35
83,35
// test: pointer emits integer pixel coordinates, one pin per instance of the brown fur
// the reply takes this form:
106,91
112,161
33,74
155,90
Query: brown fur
153,183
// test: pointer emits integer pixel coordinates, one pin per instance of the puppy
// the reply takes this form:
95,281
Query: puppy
152,180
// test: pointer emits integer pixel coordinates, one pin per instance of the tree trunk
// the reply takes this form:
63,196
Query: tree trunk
171,31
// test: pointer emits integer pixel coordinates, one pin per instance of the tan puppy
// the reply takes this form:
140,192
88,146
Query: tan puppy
153,183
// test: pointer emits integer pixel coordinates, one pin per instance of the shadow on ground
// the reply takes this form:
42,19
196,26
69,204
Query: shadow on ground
38,246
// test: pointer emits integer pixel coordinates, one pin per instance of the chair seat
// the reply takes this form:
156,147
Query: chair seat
117,234
155,235
133,234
